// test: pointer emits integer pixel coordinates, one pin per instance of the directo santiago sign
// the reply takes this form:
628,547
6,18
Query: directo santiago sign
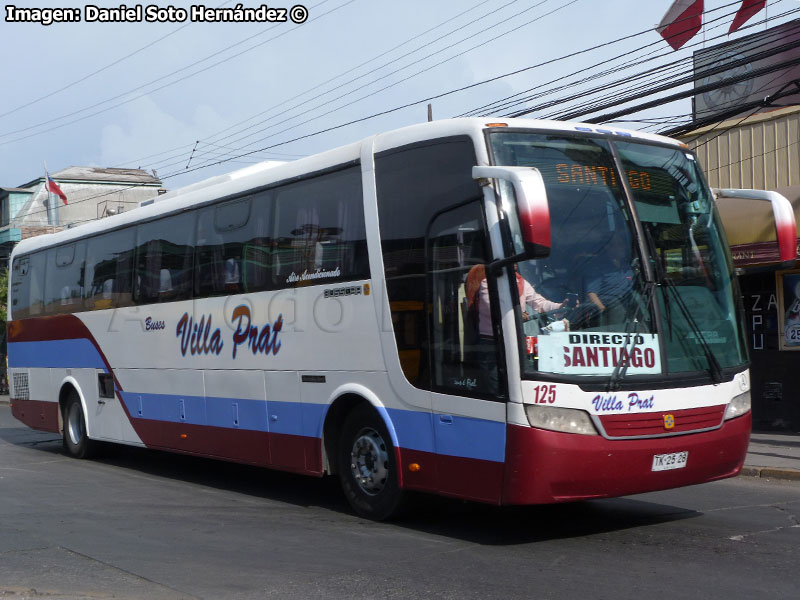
599,353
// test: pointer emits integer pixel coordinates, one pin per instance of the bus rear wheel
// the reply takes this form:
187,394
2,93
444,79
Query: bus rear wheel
368,466
76,443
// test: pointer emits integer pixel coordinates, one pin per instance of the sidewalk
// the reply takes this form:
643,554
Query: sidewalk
773,455
770,455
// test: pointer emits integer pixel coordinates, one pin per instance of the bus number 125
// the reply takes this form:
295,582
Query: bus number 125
545,394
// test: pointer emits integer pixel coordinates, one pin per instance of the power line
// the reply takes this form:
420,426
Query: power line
589,107
101,69
493,106
685,94
168,84
342,74
344,124
210,163
372,93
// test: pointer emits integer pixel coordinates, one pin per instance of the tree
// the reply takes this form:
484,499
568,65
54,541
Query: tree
3,308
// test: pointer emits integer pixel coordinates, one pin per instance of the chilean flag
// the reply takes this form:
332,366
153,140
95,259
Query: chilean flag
682,22
746,10
52,187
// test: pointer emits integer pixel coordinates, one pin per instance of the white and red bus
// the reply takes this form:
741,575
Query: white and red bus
363,312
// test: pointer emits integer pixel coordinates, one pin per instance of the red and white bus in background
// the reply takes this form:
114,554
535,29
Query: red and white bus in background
364,312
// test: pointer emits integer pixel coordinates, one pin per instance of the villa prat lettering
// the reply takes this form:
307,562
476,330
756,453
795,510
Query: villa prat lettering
263,340
633,403
201,338
197,338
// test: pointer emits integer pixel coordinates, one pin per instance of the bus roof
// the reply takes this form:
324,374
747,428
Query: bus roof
264,174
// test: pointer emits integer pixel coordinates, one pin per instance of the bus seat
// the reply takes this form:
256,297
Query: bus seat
165,283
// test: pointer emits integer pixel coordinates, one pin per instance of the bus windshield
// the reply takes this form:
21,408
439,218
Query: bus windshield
605,302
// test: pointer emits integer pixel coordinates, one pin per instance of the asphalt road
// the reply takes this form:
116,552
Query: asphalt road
141,524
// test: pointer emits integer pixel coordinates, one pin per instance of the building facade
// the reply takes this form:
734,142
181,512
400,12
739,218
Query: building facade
92,193
762,152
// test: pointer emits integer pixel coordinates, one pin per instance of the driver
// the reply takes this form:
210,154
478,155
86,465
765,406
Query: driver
614,280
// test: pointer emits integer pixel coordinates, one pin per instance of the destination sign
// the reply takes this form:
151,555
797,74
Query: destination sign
580,174
599,353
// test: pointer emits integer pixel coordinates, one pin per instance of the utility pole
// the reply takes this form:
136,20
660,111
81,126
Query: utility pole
430,112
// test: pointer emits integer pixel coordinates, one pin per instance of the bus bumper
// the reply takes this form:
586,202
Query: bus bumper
546,466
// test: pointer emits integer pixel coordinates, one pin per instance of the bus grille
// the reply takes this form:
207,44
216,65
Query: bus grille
21,387
653,424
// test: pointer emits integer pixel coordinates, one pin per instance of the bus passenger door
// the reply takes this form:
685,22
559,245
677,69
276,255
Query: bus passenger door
468,392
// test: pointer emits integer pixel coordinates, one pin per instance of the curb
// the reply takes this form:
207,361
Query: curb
771,473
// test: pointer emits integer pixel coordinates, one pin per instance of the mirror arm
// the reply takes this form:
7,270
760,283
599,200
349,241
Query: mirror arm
496,266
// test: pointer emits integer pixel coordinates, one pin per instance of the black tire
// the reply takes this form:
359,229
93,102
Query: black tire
76,443
368,466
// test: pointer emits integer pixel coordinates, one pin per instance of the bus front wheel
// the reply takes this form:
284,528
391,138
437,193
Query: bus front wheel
76,443
368,466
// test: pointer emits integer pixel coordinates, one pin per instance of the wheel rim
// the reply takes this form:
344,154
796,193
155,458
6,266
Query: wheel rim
75,424
369,461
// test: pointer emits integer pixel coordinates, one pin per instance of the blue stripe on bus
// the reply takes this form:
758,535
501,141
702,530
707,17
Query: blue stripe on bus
413,429
66,354
293,418
470,438
463,437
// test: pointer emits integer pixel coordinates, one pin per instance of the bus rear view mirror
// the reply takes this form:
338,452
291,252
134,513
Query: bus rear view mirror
782,214
524,201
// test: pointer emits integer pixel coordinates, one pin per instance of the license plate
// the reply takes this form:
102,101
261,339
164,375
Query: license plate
666,462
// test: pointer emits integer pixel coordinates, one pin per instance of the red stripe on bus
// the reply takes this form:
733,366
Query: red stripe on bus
45,329
36,414
295,453
467,478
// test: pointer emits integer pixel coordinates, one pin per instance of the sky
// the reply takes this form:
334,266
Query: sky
193,99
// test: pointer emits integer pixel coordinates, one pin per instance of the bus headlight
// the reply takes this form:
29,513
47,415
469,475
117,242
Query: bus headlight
738,406
568,420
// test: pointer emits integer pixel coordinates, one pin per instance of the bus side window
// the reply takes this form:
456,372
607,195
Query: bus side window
319,231
36,273
64,283
27,286
232,254
164,255
109,270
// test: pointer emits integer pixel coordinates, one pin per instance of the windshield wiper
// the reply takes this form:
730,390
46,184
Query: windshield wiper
620,370
714,367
